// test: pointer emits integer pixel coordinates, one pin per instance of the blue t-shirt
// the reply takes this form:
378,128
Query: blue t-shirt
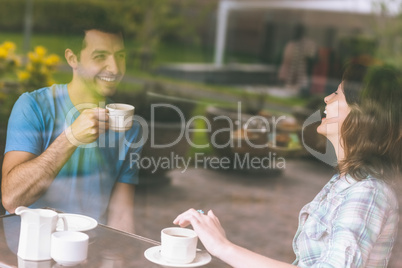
85,182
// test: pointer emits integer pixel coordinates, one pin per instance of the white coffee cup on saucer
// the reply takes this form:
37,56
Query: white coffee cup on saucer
178,245
69,248
120,116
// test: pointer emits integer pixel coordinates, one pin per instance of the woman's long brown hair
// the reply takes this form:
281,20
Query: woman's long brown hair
371,133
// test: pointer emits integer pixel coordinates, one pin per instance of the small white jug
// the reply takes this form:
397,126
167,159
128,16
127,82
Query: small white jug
37,226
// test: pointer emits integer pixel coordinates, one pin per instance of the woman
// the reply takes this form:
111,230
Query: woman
353,221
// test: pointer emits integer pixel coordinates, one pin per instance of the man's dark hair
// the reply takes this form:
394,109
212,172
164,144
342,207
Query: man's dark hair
98,21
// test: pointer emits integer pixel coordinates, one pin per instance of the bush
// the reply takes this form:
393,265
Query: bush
54,16
39,69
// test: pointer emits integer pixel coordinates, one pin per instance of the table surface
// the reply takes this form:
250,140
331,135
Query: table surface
108,248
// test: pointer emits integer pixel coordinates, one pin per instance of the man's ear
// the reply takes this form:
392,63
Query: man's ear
71,58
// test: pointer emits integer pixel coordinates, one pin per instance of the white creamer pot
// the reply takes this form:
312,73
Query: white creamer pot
37,226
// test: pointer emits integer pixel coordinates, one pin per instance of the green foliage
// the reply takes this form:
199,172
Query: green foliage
387,30
147,21
50,16
12,15
356,46
152,20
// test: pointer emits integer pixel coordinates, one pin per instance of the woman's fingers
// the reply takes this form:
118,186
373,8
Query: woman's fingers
188,217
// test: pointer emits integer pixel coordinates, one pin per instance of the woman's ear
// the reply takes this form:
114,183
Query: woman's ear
71,58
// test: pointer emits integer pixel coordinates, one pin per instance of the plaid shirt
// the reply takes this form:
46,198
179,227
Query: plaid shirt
348,224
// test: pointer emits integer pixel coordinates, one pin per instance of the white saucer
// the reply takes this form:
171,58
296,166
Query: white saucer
67,263
154,255
76,222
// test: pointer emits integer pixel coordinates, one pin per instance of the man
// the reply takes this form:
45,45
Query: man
59,151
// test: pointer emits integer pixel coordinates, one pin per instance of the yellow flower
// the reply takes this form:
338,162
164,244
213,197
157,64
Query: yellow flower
9,46
40,51
23,75
52,60
3,53
31,56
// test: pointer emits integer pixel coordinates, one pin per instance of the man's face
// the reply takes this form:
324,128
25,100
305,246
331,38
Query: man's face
102,63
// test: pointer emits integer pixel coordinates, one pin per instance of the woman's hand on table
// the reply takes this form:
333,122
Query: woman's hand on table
212,235
208,229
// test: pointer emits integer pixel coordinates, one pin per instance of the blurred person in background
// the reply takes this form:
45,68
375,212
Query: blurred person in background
59,151
297,62
353,221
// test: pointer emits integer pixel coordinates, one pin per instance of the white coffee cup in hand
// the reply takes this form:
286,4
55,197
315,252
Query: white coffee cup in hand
120,116
69,248
179,245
